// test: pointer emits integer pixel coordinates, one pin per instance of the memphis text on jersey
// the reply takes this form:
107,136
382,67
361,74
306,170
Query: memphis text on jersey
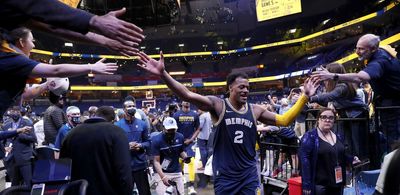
239,121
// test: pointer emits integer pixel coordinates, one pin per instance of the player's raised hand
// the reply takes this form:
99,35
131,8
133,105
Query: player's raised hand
151,65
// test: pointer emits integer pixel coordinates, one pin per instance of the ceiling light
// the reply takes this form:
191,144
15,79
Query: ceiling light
181,45
177,73
325,21
220,42
247,39
157,48
292,30
143,47
312,57
68,44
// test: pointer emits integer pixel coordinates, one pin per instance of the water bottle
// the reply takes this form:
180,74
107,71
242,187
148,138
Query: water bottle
288,170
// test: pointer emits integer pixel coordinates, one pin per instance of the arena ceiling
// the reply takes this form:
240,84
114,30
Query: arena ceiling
199,23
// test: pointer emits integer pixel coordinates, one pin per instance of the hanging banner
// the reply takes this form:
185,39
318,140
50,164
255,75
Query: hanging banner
269,9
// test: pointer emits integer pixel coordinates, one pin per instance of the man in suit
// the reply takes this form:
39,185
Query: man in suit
20,154
5,135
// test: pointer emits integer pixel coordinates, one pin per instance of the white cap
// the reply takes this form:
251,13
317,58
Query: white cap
170,123
58,85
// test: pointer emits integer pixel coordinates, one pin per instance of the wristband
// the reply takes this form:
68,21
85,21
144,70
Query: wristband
335,77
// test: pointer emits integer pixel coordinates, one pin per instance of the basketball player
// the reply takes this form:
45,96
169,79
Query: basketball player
234,162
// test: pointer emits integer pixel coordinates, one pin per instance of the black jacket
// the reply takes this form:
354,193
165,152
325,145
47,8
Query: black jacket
100,154
53,119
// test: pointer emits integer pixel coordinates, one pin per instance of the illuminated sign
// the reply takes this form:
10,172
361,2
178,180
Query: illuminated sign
269,9
72,3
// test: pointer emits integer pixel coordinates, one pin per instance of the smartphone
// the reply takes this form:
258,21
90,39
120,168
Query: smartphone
38,189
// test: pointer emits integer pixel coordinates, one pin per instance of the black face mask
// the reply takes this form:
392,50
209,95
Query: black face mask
76,120
169,138
131,111
15,117
60,105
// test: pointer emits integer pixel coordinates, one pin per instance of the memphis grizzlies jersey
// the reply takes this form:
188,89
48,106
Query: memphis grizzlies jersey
235,140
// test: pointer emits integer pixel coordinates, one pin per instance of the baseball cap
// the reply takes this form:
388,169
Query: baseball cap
170,123
58,86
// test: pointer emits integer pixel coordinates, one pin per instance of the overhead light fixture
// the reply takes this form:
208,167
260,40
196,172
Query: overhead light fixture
380,1
325,21
174,73
143,47
220,42
181,45
247,39
68,44
312,57
293,30
157,48
205,45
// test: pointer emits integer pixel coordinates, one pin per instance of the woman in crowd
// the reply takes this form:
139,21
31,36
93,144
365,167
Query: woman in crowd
342,97
323,158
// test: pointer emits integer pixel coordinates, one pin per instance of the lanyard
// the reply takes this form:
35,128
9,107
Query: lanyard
330,132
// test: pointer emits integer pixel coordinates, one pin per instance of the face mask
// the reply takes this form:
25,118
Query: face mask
15,117
60,105
76,119
131,111
170,137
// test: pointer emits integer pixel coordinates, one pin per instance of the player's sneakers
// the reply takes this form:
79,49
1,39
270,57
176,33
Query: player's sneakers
266,173
191,191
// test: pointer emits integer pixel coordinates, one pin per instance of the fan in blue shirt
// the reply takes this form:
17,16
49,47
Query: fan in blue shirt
138,137
167,147
74,118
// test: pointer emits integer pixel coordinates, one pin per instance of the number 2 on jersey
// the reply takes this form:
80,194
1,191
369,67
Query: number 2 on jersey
238,137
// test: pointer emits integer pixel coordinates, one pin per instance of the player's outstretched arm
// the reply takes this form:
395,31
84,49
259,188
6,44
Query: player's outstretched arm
206,103
266,117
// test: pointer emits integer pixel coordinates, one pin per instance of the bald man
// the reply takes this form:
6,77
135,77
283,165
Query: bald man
382,71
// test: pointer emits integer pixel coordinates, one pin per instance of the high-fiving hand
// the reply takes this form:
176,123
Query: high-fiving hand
104,68
151,65
322,74
311,85
123,33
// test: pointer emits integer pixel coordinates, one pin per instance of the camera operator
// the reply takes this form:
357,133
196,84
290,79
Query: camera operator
172,108
167,147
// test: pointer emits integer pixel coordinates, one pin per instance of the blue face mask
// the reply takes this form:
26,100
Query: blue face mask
76,119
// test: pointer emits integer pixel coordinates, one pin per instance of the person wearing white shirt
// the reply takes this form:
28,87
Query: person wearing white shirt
202,139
